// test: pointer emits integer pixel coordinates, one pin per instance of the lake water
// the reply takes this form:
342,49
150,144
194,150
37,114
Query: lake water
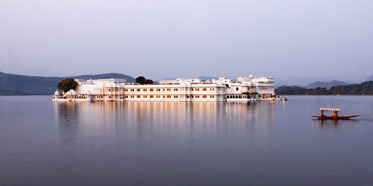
262,143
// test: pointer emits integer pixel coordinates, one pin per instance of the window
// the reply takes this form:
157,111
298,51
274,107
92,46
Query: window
204,96
168,89
212,96
204,89
187,96
138,96
176,96
138,90
151,89
168,96
237,89
145,96
145,90
109,90
175,89
151,96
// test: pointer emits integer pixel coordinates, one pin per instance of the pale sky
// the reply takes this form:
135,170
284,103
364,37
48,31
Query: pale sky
325,39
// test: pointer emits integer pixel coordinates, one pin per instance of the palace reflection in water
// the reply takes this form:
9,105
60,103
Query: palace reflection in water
161,118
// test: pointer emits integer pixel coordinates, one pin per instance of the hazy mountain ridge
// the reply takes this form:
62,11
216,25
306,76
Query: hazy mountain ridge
326,85
370,78
12,84
365,88
207,78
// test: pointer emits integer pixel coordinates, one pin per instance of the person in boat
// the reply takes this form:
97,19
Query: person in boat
335,115
322,114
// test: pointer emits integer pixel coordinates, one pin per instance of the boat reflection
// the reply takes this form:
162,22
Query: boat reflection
332,124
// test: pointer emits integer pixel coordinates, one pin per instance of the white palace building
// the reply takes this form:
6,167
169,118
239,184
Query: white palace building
179,90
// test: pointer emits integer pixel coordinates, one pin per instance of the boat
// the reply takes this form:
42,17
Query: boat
336,115
278,98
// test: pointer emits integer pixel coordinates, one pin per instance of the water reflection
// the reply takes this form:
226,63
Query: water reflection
71,117
332,124
327,125
67,114
184,143
158,118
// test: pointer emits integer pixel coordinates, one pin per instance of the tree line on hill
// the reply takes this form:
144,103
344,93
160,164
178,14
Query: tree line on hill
12,84
365,88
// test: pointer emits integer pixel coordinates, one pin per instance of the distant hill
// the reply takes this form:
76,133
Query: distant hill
12,84
207,77
370,78
199,77
326,85
365,88
105,76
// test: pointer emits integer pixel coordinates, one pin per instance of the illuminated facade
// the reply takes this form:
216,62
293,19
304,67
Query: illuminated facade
179,90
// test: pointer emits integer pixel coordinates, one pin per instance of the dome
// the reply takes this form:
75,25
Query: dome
56,93
72,92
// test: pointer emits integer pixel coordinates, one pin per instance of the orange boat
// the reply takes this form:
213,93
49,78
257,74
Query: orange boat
334,116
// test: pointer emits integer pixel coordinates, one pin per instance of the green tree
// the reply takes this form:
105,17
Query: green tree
67,84
140,80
